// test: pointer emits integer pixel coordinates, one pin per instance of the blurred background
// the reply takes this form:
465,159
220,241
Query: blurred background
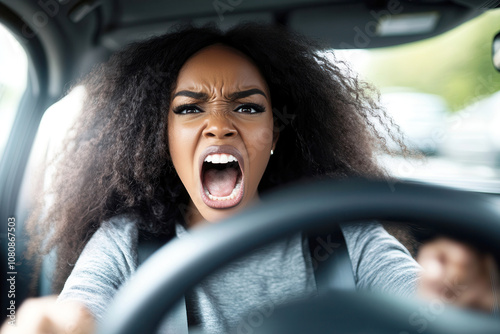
444,93
13,80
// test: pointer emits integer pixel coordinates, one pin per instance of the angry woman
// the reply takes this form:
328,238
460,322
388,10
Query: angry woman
190,128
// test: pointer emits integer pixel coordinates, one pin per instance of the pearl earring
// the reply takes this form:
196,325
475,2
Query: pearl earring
272,152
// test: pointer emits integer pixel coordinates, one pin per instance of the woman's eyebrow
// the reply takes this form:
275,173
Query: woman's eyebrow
194,95
232,96
245,93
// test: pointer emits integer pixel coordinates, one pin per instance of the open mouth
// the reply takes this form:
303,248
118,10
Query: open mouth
221,177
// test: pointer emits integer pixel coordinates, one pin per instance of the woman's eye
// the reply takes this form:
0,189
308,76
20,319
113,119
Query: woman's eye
250,109
187,109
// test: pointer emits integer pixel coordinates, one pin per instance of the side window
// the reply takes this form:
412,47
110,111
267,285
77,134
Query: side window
13,81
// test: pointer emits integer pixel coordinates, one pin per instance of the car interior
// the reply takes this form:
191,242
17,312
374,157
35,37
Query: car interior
455,127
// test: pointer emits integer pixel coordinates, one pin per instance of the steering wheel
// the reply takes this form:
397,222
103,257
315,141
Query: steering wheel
159,284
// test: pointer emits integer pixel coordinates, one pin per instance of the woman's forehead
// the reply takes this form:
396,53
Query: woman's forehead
220,68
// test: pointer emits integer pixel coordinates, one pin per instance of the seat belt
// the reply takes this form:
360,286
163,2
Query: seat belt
176,320
331,262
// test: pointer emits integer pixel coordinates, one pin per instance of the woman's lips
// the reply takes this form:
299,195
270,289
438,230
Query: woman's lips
222,154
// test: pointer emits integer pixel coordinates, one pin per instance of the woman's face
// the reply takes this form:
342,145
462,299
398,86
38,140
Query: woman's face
220,131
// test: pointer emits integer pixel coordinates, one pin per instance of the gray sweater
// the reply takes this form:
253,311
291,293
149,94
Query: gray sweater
226,300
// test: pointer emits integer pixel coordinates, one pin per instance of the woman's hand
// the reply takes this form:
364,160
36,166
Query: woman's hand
456,273
44,315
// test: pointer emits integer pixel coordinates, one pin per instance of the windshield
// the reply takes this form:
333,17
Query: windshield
444,94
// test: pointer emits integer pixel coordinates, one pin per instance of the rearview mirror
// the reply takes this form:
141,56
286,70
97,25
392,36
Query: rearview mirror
496,52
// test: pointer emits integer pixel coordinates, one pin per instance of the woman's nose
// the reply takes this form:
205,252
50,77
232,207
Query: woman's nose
219,127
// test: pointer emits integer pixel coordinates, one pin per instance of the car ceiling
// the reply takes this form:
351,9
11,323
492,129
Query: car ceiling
335,22
76,34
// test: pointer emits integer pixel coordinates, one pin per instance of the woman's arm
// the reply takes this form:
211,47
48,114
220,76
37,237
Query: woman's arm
107,261
453,272
379,261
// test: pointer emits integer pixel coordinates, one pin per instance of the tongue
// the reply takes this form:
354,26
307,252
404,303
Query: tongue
220,183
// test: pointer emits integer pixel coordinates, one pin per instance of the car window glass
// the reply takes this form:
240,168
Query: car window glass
13,81
444,94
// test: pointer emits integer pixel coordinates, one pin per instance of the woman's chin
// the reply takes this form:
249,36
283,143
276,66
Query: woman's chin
213,216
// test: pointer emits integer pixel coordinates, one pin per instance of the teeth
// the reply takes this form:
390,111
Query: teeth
220,158
216,158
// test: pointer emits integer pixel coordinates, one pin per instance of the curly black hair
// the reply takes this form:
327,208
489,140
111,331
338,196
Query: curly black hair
117,160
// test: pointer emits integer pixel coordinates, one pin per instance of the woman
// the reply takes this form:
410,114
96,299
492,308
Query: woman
187,129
